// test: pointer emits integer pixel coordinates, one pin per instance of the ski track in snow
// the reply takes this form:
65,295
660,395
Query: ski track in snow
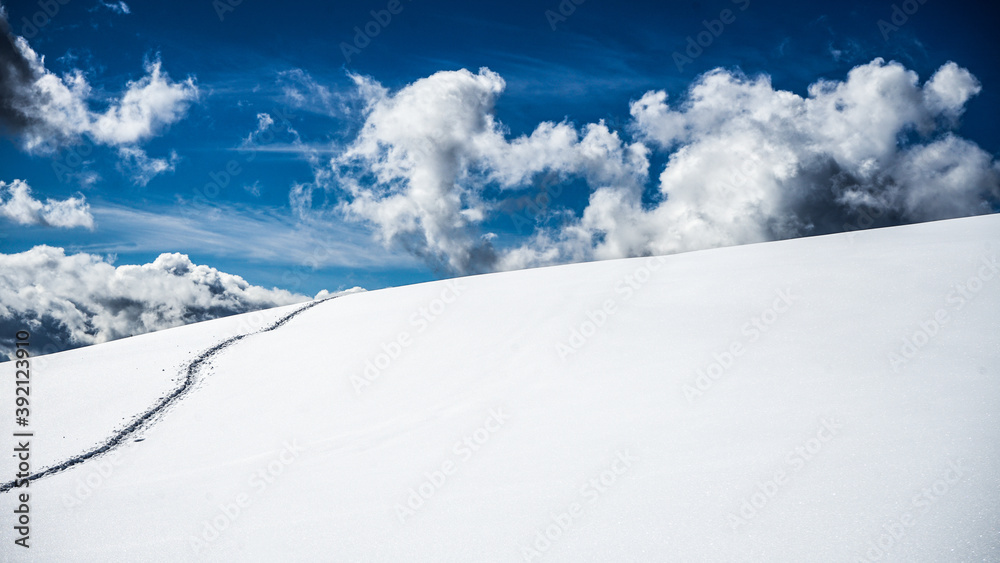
193,369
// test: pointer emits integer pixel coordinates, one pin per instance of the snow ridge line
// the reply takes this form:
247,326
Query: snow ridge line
193,368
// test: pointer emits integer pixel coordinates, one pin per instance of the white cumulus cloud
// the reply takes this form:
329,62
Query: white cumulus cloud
18,205
750,163
60,108
44,110
417,169
745,162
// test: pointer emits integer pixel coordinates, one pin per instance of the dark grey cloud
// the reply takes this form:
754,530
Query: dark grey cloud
17,78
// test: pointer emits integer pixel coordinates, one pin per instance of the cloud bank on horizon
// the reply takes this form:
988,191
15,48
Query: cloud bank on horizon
67,301
747,163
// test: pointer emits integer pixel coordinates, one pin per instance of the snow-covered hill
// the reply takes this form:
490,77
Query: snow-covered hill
826,399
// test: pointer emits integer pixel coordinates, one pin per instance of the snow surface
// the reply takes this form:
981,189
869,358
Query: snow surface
536,434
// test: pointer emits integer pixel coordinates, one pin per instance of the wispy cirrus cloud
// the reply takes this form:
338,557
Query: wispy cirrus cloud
141,168
255,234
302,91
120,8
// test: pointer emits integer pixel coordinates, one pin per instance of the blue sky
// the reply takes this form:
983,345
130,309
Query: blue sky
286,61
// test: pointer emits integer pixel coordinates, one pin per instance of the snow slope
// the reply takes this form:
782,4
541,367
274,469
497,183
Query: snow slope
826,399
